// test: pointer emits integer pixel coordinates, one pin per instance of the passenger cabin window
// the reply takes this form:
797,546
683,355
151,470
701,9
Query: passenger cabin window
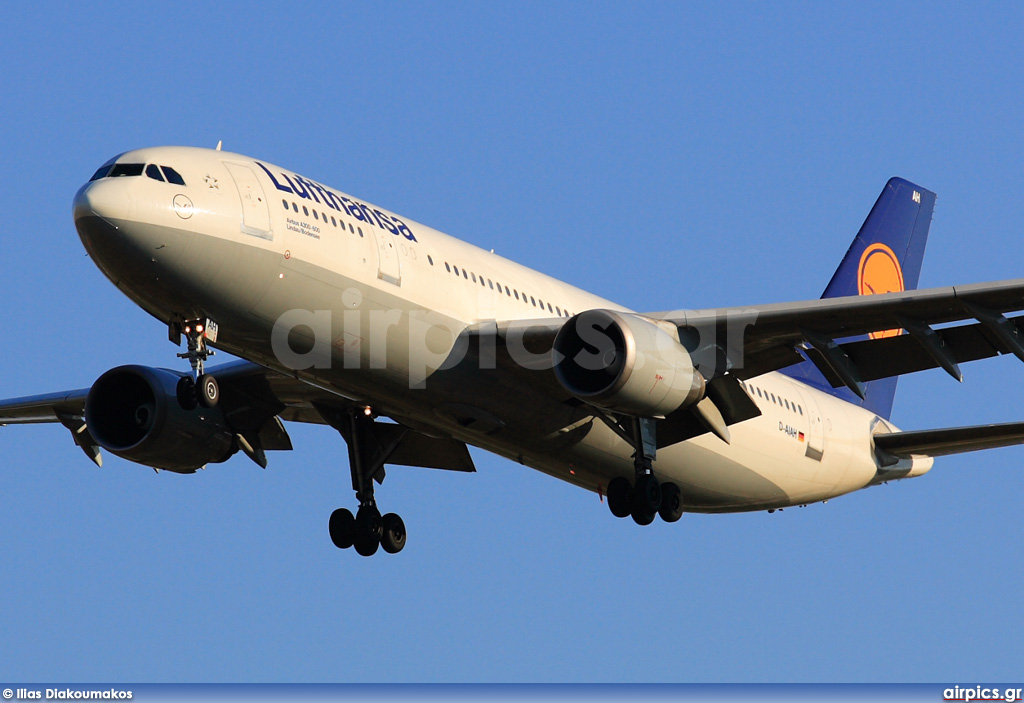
153,171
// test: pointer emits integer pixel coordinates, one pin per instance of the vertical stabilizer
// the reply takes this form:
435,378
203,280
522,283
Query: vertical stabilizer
885,257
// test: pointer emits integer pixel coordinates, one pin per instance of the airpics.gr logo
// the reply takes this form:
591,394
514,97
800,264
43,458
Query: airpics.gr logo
880,272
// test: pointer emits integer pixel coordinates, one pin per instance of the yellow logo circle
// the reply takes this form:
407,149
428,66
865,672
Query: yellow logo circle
880,272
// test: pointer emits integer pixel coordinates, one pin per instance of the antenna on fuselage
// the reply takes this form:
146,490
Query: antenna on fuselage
219,143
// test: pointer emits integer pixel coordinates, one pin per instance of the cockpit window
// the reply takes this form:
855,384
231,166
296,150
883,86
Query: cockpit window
173,176
121,170
153,171
101,172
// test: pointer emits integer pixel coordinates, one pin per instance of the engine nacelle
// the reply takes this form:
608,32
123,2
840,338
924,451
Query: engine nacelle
133,412
625,363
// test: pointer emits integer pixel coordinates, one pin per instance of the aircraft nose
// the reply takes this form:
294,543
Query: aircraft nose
107,198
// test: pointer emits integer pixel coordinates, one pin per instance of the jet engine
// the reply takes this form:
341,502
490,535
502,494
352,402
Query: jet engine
134,413
625,363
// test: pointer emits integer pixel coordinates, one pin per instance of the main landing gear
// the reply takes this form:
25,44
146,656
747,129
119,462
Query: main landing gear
367,530
645,497
199,389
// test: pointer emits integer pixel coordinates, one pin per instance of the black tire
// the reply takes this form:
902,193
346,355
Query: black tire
343,528
366,546
671,502
643,517
368,531
392,538
620,496
646,495
208,391
186,392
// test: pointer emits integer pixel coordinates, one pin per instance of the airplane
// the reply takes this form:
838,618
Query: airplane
412,345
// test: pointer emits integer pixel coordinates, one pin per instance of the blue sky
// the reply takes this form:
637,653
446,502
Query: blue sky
665,156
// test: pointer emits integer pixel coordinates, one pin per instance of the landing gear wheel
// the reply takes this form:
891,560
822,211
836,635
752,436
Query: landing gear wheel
368,531
186,392
343,528
392,538
671,503
642,517
646,495
619,496
209,391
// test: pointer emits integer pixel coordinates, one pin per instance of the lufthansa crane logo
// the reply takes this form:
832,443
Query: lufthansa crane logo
880,272
183,206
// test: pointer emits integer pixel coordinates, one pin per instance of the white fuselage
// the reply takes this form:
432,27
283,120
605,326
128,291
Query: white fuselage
244,242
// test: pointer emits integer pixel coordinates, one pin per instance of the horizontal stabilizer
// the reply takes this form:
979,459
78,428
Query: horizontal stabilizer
952,440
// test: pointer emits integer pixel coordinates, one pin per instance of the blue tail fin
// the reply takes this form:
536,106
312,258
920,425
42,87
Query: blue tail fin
885,256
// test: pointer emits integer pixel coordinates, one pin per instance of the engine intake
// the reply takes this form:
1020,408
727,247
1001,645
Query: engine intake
133,412
625,363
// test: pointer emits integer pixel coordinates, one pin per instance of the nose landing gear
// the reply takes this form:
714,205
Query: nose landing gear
200,389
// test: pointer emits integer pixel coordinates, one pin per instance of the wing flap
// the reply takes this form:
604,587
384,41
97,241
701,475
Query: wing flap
894,356
752,340
418,449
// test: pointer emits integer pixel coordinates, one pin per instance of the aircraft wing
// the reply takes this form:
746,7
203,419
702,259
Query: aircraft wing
253,401
67,408
42,408
752,340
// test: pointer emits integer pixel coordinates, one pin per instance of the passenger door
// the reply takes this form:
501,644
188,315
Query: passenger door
255,212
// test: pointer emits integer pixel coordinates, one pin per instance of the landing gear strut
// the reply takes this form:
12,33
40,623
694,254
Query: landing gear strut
367,530
645,497
200,389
